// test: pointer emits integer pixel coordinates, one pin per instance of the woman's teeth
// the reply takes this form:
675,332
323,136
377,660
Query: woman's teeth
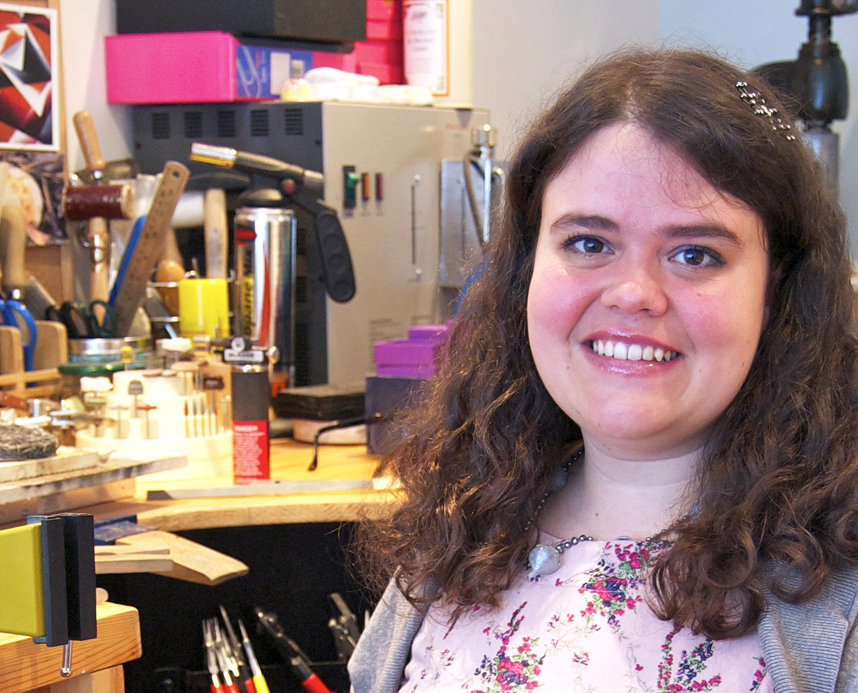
631,352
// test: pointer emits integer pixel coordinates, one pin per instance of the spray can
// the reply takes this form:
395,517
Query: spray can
250,436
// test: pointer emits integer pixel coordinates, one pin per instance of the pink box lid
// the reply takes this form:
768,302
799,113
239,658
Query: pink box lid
434,333
423,371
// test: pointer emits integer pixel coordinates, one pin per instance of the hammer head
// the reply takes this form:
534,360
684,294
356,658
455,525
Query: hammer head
104,201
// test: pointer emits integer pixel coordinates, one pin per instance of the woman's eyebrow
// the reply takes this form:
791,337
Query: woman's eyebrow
704,231
587,221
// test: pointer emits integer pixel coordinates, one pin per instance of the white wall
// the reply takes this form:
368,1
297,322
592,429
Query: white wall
83,26
525,50
752,33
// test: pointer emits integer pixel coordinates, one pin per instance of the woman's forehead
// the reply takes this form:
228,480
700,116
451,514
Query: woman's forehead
624,160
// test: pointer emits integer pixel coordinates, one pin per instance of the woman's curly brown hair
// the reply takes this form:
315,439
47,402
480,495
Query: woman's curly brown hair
779,475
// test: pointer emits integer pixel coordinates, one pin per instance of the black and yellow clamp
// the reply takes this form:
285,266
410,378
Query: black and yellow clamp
48,581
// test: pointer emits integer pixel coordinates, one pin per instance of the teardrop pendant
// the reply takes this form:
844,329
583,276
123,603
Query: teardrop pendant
543,560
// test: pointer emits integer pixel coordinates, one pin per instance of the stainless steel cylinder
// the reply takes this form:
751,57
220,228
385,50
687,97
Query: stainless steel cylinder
264,288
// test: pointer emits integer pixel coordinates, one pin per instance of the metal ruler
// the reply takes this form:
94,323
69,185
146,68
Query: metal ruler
150,245
266,488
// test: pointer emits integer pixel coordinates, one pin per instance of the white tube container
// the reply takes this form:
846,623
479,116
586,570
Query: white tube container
437,39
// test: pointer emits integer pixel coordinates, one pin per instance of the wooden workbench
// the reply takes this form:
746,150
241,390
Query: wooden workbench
289,460
96,663
25,666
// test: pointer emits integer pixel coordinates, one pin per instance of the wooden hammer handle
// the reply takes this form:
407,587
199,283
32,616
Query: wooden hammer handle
85,128
13,241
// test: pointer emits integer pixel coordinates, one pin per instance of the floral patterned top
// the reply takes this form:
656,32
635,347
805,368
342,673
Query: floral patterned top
584,628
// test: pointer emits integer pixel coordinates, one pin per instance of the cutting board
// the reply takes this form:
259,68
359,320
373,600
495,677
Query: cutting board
67,459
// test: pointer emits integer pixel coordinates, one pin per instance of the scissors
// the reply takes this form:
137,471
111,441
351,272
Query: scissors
82,321
15,314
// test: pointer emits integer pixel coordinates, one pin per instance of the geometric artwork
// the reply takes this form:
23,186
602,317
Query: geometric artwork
28,86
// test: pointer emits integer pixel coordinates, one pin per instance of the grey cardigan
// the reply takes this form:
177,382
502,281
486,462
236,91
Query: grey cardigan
808,648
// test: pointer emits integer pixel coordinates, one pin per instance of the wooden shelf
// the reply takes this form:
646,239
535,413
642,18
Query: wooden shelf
25,666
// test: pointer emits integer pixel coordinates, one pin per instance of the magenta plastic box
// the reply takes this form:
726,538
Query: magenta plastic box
405,352
194,67
419,356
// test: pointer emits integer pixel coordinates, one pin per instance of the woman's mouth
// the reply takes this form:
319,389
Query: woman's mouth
625,351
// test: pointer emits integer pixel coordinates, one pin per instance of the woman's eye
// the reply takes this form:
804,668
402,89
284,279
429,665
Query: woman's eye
695,256
589,245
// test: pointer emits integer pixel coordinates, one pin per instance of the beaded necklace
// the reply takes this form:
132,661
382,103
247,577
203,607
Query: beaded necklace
544,559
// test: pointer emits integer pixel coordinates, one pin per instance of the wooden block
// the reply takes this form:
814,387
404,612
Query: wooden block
146,557
52,266
66,459
52,345
25,666
153,547
133,563
106,681
192,561
11,350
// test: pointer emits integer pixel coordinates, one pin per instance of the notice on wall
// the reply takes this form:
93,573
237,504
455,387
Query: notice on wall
426,49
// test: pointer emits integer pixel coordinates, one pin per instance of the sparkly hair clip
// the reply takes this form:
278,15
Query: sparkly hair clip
762,109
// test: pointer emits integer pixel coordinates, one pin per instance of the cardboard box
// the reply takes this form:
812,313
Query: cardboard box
194,67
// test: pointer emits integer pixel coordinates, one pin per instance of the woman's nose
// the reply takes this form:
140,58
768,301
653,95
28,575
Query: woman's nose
637,289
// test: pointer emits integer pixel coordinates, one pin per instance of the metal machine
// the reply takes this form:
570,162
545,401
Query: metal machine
382,174
817,82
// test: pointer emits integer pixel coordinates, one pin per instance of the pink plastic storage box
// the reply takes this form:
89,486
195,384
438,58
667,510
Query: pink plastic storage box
194,67
404,352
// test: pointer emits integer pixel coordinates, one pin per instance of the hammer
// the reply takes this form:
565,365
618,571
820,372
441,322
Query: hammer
98,235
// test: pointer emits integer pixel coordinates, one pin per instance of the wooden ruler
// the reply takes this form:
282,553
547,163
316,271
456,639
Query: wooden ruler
150,245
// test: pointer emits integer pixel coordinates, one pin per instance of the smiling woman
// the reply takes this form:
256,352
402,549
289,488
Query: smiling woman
638,251
639,468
